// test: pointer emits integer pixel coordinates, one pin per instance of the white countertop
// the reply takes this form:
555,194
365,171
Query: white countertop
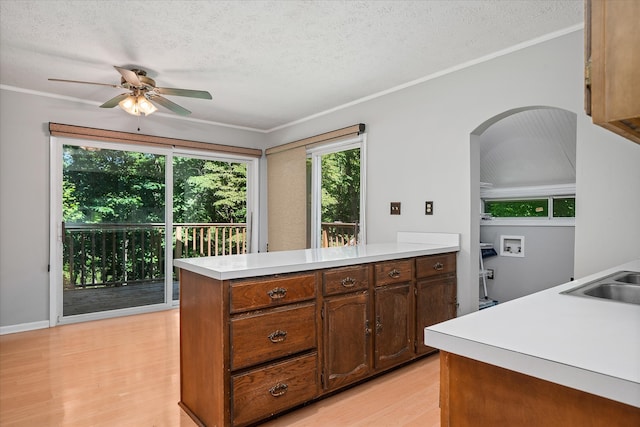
261,264
589,344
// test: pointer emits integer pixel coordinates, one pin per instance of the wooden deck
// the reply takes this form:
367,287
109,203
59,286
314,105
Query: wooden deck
91,300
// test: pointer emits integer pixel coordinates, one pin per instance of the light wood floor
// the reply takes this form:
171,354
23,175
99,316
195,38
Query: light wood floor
125,372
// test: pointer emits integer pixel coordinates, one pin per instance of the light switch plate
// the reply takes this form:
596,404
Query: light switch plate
428,208
395,208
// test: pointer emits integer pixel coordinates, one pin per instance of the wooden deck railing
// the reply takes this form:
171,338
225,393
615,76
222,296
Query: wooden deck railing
116,254
97,255
339,234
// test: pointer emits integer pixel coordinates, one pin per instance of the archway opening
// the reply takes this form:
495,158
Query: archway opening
523,162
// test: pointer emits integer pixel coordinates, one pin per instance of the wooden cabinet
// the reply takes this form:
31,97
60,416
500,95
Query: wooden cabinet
276,291
612,71
337,281
252,348
436,294
394,325
272,332
347,339
274,388
248,348
262,336
346,315
474,393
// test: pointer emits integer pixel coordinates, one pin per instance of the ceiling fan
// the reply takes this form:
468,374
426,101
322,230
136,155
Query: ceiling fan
143,93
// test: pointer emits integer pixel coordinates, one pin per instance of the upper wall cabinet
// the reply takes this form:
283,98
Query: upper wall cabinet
612,73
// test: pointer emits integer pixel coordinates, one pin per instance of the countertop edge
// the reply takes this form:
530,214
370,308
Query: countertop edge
239,273
618,389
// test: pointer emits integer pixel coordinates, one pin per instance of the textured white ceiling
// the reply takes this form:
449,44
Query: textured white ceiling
267,63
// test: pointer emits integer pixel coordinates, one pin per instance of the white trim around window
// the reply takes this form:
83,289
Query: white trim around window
315,152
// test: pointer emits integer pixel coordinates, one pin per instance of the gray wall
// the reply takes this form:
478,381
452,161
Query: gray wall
24,186
548,260
418,149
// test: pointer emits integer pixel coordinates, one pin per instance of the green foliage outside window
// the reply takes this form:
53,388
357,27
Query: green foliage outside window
563,207
122,194
517,208
341,186
111,186
209,191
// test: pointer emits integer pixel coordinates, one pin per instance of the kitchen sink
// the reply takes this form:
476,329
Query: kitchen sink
622,286
615,291
628,277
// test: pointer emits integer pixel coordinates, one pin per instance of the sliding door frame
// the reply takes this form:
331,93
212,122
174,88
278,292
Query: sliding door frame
56,316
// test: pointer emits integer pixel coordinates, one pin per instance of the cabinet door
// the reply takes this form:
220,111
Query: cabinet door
435,303
612,40
394,326
347,339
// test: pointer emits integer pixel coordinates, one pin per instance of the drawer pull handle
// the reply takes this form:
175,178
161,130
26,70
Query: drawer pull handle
438,266
278,390
394,274
348,282
277,293
277,336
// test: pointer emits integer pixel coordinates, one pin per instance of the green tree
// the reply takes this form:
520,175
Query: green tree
209,191
341,186
108,186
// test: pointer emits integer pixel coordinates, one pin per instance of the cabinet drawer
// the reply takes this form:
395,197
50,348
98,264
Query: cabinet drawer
263,392
346,279
396,271
272,334
275,291
435,264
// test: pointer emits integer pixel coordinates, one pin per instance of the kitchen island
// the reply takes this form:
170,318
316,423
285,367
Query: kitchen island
264,333
545,359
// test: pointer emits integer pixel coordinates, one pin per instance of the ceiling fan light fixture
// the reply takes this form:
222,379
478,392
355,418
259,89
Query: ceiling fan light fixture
135,105
142,90
145,106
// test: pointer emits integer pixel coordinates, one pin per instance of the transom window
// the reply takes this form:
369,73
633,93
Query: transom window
547,207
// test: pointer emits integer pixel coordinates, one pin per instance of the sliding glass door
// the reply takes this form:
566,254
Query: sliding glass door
113,229
209,207
121,213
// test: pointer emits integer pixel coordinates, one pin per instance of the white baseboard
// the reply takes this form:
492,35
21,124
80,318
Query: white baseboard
23,327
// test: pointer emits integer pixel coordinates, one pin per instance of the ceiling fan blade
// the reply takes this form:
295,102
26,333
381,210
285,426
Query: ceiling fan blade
114,101
170,105
86,83
129,76
202,94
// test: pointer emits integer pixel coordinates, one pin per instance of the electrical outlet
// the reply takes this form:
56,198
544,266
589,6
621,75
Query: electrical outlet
395,208
490,273
428,208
